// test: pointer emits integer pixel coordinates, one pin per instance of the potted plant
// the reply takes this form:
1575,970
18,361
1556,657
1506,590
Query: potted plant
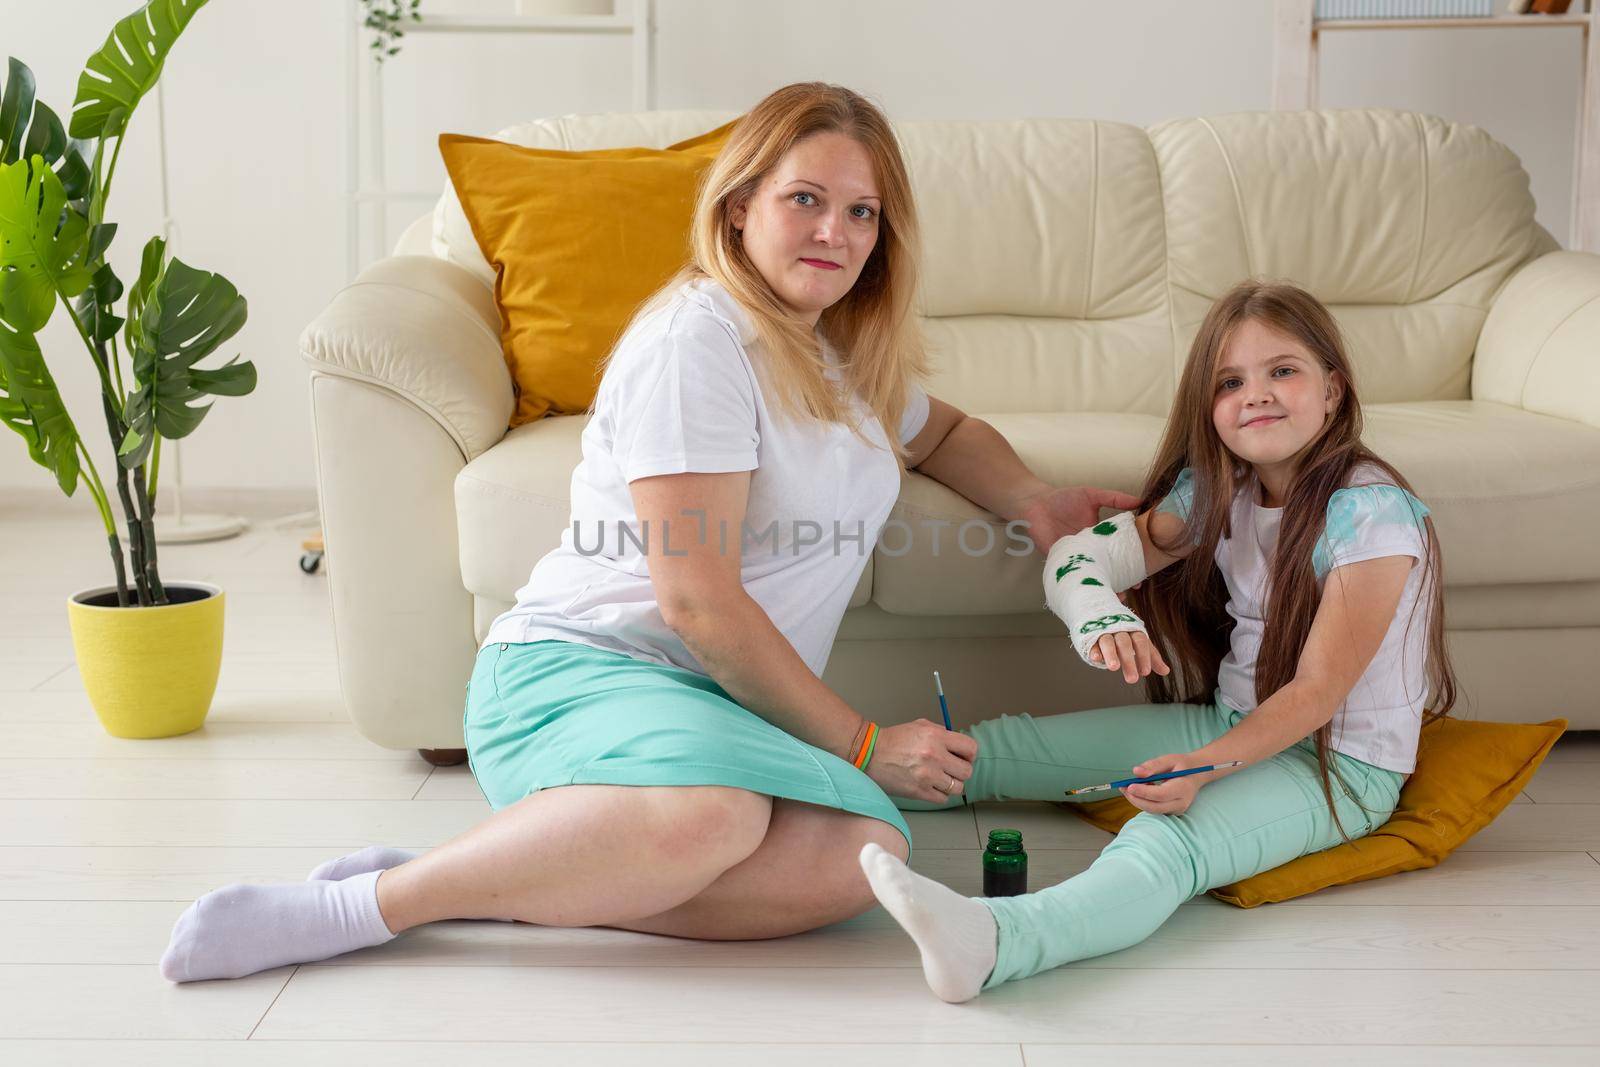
149,651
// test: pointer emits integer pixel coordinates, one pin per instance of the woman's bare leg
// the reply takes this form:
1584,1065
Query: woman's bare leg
581,855
804,875
573,856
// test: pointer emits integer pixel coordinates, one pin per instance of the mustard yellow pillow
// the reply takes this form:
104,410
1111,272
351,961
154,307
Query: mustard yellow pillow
578,240
1467,772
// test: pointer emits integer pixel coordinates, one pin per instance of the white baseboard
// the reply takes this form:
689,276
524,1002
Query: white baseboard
255,504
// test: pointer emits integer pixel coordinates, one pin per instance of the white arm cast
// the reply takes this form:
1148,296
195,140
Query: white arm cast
1083,574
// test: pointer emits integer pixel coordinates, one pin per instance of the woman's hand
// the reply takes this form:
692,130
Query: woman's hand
1054,513
1171,797
922,761
1133,654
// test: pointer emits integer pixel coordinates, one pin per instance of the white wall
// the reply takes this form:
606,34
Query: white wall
255,106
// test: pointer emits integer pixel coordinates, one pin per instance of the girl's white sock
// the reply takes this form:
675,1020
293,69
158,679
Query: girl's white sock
241,929
956,935
371,858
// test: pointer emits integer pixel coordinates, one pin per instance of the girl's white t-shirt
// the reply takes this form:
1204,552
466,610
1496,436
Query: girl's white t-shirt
684,393
1381,719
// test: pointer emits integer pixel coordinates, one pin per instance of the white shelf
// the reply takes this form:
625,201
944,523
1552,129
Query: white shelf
1487,22
522,24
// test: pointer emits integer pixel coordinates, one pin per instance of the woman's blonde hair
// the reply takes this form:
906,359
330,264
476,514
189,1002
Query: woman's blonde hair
872,328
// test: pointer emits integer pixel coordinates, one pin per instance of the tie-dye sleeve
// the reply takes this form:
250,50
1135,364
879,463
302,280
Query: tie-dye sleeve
1368,521
1180,501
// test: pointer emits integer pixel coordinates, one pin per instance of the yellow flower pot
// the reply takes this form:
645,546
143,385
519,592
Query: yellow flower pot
149,672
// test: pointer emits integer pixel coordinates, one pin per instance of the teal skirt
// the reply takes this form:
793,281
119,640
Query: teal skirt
554,713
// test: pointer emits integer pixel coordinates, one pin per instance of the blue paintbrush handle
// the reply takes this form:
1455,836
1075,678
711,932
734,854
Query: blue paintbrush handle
1163,776
944,709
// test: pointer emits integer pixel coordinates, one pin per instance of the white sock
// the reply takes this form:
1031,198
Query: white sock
371,858
957,935
241,929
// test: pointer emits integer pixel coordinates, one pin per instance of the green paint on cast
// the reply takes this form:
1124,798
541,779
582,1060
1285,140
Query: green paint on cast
1072,565
1105,529
1104,621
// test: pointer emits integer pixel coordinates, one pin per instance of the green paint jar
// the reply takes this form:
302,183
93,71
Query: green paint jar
1005,865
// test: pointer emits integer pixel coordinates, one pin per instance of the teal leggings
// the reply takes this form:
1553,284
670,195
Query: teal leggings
1255,819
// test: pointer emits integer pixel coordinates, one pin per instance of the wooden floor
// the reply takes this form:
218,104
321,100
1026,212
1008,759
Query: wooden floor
103,842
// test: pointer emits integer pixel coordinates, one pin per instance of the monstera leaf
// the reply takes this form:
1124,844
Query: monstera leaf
31,405
94,307
45,243
128,66
177,316
29,128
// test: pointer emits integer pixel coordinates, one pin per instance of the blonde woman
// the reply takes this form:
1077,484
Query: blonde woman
648,721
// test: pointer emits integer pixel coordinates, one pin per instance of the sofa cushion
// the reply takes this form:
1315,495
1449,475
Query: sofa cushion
1070,226
1009,363
1515,495
1053,297
1494,476
452,237
514,501
1404,224
578,241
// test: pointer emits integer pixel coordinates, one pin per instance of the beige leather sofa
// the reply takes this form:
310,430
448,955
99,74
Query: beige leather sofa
1069,263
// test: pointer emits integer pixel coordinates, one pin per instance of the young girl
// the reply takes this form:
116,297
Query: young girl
1329,569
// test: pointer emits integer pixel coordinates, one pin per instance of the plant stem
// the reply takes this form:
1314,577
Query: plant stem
116,367
97,489
147,527
98,492
118,430
105,191
135,533
97,205
122,575
155,463
140,533
135,539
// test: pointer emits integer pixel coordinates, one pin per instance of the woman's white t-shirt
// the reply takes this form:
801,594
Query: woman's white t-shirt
684,393
1381,718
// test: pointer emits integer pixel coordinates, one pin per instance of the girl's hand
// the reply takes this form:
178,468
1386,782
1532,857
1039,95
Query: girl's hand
922,761
1132,654
1171,797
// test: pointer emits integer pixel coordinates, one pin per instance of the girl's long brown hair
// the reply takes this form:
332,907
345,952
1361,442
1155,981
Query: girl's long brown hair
1184,605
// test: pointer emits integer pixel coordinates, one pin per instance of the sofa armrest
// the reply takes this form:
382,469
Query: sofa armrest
1540,346
428,332
407,385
